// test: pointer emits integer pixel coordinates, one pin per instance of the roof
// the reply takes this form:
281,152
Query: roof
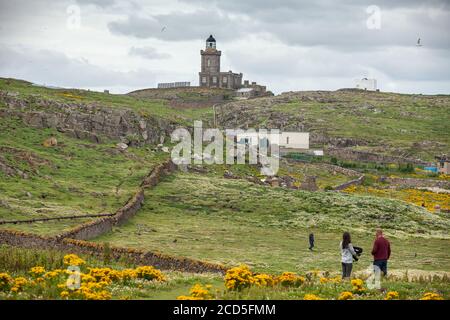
211,39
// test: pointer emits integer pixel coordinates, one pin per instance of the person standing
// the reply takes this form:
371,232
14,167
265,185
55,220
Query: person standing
347,253
311,241
381,251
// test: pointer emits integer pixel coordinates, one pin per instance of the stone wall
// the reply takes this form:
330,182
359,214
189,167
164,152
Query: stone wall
417,183
100,226
87,120
354,155
139,257
347,184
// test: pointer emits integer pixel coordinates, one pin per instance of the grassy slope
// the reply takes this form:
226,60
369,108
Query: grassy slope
388,121
17,262
145,107
232,222
75,177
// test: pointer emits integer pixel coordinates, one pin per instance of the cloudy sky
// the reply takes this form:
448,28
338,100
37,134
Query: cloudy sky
284,44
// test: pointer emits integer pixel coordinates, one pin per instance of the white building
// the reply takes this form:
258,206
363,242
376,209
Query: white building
366,84
285,140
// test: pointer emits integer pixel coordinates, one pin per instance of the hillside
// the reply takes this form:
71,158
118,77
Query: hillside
397,124
105,147
412,126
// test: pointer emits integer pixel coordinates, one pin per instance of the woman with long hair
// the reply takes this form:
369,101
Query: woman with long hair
347,253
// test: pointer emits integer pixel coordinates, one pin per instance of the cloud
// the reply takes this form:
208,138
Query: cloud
179,26
55,68
148,53
299,23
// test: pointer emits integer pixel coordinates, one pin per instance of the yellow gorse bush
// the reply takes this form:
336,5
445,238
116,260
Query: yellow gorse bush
73,260
37,271
346,295
18,284
310,296
264,280
358,285
238,278
5,281
290,279
92,285
198,292
431,296
149,273
392,295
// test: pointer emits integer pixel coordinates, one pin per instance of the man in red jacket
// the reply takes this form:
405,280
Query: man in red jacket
381,251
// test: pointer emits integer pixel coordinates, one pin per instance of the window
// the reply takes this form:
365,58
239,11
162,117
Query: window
203,79
214,79
208,62
287,140
225,79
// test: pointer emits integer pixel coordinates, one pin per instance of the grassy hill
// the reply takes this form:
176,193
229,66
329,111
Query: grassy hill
75,177
234,221
396,124
205,216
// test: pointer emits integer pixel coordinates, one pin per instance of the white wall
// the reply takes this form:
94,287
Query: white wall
366,84
297,140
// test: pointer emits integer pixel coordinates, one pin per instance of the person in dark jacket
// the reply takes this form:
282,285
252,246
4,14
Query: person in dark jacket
311,241
381,251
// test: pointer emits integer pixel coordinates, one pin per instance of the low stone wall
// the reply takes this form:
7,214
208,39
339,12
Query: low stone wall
139,257
354,155
71,217
98,227
347,184
417,183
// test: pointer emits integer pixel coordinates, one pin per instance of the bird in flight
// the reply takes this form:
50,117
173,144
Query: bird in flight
164,28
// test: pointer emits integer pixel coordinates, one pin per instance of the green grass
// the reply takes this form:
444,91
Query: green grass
17,262
390,123
157,107
74,177
233,222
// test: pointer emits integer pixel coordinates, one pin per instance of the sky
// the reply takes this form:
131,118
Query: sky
287,45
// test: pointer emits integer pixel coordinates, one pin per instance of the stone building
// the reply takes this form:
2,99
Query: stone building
443,164
210,75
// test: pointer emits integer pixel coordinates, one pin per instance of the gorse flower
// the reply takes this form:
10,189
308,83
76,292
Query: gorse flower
238,278
5,281
392,295
310,296
73,260
358,285
346,295
37,271
149,273
431,296
290,279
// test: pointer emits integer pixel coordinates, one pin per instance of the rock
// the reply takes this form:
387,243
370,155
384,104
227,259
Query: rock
28,194
122,146
50,142
165,149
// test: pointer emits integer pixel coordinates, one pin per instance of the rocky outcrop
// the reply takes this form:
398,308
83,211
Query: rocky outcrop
89,121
